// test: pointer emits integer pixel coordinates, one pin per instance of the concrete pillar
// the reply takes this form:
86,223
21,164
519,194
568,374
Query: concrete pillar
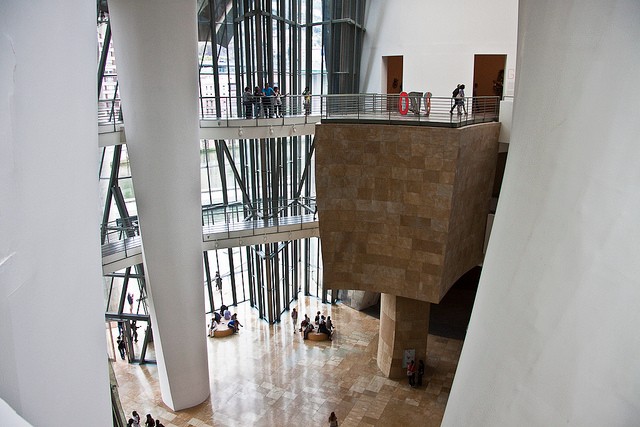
552,339
53,354
156,49
404,325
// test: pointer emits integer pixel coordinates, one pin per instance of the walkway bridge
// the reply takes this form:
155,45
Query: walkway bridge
223,227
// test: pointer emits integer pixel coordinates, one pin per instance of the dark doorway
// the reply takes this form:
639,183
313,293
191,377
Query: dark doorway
488,75
451,317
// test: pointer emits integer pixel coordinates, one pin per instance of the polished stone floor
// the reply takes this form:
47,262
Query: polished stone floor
268,376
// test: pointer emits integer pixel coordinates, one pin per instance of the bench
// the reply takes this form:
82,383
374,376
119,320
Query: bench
223,331
317,336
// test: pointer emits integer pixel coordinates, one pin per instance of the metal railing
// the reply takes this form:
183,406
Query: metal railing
121,238
415,107
239,212
109,112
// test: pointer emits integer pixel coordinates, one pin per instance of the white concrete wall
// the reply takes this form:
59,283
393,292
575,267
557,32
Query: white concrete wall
9,417
438,40
156,49
553,336
53,355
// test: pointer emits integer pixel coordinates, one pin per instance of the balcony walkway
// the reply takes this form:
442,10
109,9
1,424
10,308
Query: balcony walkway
412,109
127,252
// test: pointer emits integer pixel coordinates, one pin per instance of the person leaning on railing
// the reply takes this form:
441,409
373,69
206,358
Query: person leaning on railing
247,102
257,101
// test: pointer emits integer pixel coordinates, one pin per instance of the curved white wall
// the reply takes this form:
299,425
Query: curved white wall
553,336
53,355
438,40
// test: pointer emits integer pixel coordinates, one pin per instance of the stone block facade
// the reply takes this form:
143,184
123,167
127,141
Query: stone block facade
402,209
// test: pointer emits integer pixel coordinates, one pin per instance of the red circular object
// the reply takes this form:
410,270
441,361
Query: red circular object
403,103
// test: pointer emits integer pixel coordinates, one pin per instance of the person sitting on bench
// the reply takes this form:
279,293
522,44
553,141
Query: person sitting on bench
234,323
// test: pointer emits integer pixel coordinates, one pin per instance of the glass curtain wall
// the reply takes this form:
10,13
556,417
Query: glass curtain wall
291,44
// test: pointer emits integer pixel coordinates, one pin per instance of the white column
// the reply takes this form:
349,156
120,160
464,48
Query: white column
553,338
156,52
53,354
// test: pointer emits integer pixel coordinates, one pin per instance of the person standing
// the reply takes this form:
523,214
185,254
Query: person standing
278,101
267,101
306,100
150,422
130,300
247,102
218,280
257,101
420,373
134,330
333,420
294,318
411,373
136,418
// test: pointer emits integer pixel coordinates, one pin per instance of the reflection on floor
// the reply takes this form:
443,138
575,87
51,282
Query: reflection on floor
268,376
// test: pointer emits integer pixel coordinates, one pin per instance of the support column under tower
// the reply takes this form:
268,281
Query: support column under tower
156,47
404,325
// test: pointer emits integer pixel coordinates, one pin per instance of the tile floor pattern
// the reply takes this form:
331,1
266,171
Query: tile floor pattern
268,376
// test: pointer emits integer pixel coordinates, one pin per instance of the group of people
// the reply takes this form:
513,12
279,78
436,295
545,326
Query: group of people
415,373
322,324
263,102
268,102
120,341
134,421
231,319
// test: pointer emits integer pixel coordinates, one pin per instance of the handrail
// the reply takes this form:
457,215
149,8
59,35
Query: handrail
126,231
262,210
414,107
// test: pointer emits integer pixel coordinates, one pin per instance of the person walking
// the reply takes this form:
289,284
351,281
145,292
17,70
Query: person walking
122,347
458,100
294,318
